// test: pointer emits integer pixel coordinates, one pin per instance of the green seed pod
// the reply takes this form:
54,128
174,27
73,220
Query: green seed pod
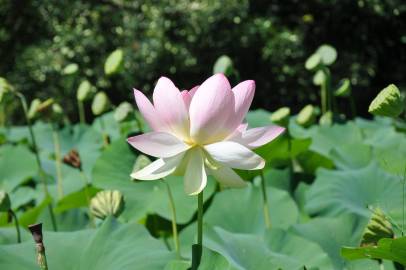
313,61
114,62
224,65
70,69
5,204
281,116
344,89
5,88
100,104
378,227
85,91
141,162
107,203
123,111
307,116
327,54
388,102
319,77
326,119
33,110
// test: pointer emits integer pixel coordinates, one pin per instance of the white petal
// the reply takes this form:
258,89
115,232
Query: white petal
256,137
158,144
195,179
228,177
235,155
158,169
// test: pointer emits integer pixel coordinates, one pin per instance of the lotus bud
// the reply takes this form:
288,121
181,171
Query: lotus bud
307,116
101,103
70,69
5,204
326,119
224,65
388,102
107,203
319,77
85,91
344,89
378,227
123,111
281,116
313,61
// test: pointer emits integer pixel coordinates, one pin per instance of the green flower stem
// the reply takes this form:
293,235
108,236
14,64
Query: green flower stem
174,225
38,159
326,95
352,105
105,136
58,164
87,182
290,156
13,214
82,116
198,248
265,201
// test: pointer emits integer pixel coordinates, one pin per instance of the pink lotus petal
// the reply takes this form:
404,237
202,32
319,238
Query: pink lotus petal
158,169
158,144
148,112
243,95
192,91
256,137
210,109
228,177
195,179
169,105
187,98
235,155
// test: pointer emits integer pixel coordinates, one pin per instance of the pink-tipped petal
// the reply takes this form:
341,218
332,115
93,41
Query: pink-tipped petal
195,179
148,112
228,177
169,105
210,109
158,144
235,155
187,98
243,95
158,169
192,91
256,137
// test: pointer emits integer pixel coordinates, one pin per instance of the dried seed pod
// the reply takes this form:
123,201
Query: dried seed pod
107,203
73,159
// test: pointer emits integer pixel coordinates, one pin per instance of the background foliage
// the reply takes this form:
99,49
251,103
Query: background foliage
48,47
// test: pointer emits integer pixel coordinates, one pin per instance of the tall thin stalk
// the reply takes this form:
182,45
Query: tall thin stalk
58,161
174,225
13,214
37,157
267,218
198,248
82,116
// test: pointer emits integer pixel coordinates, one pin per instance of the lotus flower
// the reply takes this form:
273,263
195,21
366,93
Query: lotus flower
200,132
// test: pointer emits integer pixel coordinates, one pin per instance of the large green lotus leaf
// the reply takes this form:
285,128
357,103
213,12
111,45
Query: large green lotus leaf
332,233
388,249
211,260
9,235
112,246
17,165
370,127
278,178
106,124
241,210
351,156
352,191
276,249
258,118
389,149
112,171
22,196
